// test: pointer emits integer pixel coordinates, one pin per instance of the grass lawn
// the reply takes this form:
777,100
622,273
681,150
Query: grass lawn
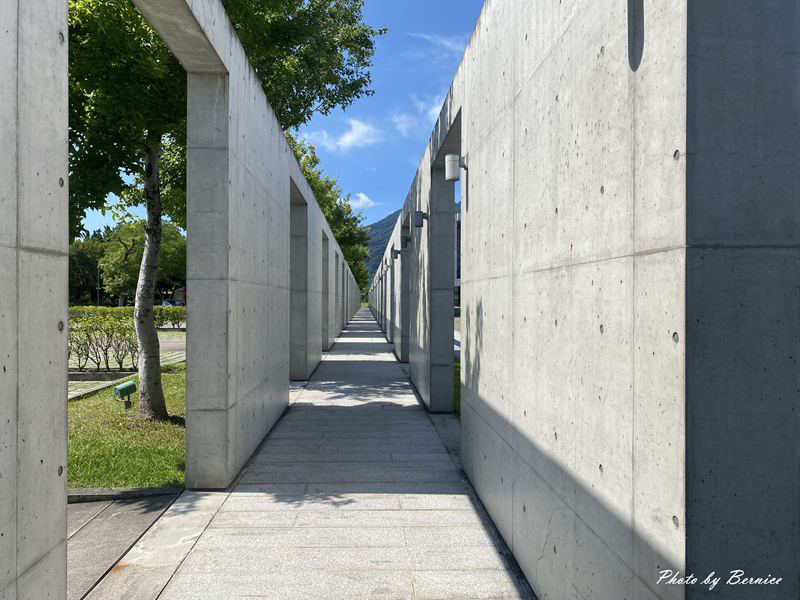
457,387
172,335
110,447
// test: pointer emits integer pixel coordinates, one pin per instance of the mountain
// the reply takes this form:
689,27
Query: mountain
379,234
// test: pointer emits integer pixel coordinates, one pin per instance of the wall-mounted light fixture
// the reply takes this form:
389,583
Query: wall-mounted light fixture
453,163
420,216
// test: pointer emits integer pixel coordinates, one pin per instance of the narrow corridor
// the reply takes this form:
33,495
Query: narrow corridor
352,495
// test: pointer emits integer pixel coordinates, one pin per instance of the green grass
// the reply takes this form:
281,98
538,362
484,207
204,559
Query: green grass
110,447
172,335
457,387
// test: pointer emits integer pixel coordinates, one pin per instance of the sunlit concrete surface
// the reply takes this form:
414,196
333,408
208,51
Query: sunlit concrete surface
630,314
352,495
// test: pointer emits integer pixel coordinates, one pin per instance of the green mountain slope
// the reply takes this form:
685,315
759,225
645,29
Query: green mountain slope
379,234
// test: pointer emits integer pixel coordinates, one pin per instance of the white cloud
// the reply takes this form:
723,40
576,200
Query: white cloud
451,45
358,135
429,106
421,118
404,123
362,201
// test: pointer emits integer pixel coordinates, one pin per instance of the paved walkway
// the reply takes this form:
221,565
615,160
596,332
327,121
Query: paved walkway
352,495
99,533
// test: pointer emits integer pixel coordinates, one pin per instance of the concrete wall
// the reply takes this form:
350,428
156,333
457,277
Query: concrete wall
33,299
629,289
239,173
242,180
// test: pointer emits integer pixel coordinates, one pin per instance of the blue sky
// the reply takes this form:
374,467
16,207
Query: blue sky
374,147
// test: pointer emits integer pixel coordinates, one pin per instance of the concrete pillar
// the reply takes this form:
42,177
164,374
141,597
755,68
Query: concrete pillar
432,272
441,245
326,293
392,298
207,284
344,294
33,299
338,302
299,367
402,327
742,299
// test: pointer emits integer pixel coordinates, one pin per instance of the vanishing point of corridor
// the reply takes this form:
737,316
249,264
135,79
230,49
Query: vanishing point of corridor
352,495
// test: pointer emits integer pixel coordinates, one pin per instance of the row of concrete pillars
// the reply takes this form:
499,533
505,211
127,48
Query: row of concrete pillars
251,314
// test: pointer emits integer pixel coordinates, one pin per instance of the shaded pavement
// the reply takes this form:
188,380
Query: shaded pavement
352,495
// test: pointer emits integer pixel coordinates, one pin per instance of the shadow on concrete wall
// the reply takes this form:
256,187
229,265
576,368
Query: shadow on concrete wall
557,549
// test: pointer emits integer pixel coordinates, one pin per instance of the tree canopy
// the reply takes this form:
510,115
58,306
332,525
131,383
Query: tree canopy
126,87
123,255
353,238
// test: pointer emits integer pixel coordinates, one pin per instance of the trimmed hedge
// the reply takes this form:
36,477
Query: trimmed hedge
106,336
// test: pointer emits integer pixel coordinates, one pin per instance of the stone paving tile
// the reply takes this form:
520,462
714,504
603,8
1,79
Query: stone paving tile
103,539
81,513
312,585
377,518
474,558
147,567
387,488
468,585
349,472
307,537
352,495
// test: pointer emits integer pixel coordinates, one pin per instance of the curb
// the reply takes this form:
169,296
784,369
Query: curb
77,496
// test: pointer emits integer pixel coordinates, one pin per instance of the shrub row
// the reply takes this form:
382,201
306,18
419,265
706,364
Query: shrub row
174,316
106,336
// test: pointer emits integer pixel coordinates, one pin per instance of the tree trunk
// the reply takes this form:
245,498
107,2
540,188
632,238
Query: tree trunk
151,394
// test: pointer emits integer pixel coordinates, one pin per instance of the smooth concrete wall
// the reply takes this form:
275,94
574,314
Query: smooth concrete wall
299,350
33,299
238,178
629,290
429,272
327,294
242,176
743,291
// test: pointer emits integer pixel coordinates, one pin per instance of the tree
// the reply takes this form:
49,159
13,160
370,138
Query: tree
311,56
85,255
353,238
128,116
123,256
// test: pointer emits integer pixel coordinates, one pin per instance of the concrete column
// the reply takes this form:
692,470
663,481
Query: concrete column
208,460
326,295
299,366
338,302
344,294
402,328
441,245
33,299
392,298
742,299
